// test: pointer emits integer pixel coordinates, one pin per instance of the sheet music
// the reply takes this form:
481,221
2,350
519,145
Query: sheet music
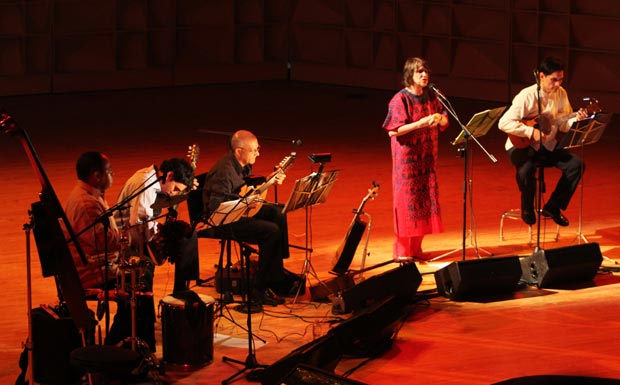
480,123
231,211
311,190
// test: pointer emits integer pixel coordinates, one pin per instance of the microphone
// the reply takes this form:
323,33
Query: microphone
297,142
432,87
535,72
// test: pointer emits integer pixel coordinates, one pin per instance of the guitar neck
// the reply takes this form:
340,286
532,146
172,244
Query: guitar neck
263,188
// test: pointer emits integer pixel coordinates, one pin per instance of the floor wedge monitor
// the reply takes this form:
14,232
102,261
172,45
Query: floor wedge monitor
402,282
479,278
562,266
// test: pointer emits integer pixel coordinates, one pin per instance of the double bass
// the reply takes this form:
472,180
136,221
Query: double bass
49,219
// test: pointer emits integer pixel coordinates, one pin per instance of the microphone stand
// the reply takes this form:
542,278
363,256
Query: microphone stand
467,135
541,169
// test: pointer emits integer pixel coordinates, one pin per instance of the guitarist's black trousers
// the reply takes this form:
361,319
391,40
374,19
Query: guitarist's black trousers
526,160
269,230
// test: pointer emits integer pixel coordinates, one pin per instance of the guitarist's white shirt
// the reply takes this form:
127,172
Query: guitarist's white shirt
525,107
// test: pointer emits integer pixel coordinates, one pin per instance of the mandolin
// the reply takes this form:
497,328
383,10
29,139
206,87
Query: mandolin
550,126
348,246
257,195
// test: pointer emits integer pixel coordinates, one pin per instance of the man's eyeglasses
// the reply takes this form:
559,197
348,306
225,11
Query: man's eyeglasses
253,151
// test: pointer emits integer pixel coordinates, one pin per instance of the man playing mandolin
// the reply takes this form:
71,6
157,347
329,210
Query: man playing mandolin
529,146
226,181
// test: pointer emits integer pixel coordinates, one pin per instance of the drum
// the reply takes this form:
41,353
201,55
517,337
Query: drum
187,331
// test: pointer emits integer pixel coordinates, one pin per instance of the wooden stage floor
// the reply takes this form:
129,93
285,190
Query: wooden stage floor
534,332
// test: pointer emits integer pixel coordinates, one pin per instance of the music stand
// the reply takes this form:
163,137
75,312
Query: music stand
478,126
309,191
228,212
581,133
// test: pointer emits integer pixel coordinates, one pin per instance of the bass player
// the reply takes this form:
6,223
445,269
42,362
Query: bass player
529,146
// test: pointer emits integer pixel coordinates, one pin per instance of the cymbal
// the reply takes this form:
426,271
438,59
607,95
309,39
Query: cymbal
164,200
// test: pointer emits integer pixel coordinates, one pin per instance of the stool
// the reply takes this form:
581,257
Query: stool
515,214
224,283
112,363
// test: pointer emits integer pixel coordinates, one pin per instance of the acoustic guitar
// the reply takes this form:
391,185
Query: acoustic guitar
258,194
548,126
348,246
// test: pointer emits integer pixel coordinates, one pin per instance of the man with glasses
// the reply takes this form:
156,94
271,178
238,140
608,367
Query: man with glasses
268,228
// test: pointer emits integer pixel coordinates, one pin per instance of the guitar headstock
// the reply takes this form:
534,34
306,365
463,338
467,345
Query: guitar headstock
373,192
593,106
287,162
192,155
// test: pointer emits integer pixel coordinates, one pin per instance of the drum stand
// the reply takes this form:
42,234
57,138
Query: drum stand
250,362
148,359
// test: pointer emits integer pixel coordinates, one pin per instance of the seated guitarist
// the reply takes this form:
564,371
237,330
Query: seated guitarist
267,228
527,147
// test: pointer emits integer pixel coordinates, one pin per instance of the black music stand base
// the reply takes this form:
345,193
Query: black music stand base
250,362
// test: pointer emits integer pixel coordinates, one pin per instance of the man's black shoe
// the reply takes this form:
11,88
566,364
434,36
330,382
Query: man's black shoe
528,216
556,215
267,297
291,286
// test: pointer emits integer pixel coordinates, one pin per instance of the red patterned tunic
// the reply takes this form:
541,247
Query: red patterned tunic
414,179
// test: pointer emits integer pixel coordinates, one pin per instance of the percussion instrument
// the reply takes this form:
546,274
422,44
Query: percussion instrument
187,330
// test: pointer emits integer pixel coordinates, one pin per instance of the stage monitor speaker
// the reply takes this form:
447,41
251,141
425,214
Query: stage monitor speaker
479,278
402,282
322,290
324,352
371,332
308,375
53,338
562,266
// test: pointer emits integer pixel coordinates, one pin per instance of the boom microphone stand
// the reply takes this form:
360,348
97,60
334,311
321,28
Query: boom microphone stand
467,135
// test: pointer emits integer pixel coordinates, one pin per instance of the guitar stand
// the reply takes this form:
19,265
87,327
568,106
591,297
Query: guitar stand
250,362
